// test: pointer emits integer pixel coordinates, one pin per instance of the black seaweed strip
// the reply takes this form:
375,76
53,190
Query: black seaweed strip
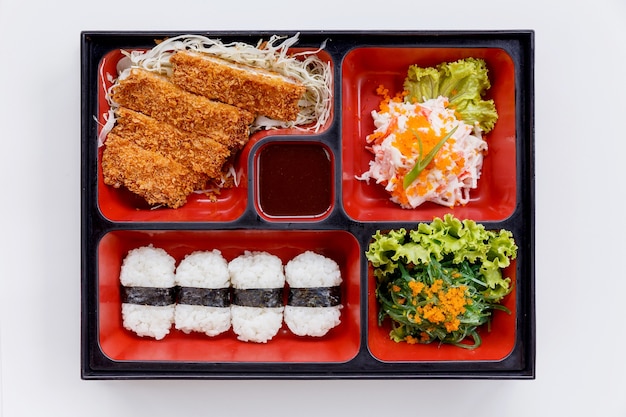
208,297
150,296
258,297
314,297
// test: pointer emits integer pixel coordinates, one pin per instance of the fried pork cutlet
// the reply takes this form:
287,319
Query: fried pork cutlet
259,91
154,95
149,174
202,154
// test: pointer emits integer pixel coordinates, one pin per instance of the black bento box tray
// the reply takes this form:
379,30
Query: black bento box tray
518,364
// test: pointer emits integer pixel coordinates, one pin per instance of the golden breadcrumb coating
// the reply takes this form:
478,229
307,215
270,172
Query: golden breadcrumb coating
259,91
199,153
156,96
149,174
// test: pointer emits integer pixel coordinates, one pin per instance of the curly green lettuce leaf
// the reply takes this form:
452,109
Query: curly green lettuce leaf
497,286
447,238
481,112
463,82
383,249
422,83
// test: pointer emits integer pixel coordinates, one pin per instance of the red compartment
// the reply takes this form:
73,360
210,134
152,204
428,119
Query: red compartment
339,345
363,70
498,340
123,206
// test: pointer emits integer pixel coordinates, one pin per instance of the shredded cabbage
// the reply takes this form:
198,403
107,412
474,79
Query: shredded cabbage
109,116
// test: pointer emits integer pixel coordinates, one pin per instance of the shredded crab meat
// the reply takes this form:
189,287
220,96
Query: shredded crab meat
305,67
456,166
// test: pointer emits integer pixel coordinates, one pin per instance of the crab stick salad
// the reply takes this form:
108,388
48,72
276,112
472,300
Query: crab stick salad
429,142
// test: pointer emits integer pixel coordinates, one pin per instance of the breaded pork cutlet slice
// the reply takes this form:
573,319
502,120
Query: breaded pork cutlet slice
199,153
257,90
149,174
154,95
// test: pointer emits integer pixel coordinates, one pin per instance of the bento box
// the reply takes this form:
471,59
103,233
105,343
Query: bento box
296,191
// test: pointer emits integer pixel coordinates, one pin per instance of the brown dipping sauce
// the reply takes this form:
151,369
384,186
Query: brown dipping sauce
294,179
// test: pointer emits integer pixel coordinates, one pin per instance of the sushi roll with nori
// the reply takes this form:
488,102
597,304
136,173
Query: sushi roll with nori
258,281
203,293
314,299
148,291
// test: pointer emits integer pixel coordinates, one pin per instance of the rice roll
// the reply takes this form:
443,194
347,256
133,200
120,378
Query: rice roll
204,298
258,280
148,294
260,91
314,298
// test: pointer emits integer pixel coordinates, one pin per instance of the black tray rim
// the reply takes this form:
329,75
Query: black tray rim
520,364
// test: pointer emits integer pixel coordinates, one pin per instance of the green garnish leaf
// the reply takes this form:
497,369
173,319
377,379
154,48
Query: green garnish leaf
423,162
463,82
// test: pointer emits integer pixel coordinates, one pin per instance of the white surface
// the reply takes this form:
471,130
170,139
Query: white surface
580,148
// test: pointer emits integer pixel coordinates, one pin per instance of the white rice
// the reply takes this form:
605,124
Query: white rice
208,320
312,321
151,321
148,267
256,270
253,324
203,269
312,270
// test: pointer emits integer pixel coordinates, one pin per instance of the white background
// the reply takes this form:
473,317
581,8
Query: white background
580,165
